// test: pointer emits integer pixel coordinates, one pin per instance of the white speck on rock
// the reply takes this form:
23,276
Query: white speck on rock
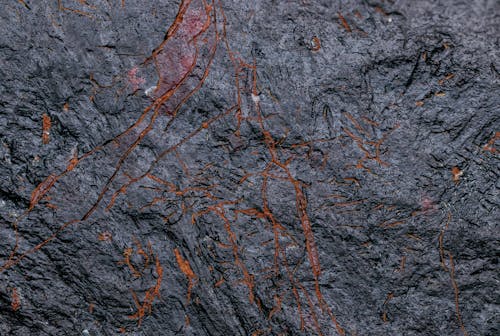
255,98
149,91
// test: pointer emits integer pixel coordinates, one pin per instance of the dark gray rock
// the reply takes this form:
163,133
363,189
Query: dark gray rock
352,174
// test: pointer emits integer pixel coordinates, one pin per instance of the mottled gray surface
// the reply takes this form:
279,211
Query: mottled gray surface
400,240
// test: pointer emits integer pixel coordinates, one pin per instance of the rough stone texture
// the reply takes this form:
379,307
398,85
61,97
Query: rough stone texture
361,178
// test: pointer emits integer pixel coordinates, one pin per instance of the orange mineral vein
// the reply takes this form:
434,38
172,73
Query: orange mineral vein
191,30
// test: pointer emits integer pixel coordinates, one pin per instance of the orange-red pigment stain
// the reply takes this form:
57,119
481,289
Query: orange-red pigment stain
134,80
490,146
177,56
451,271
105,236
193,18
128,253
39,192
344,23
187,270
46,124
315,44
146,306
175,60
15,303
456,173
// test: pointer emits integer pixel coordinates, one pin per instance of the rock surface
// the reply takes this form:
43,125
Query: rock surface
228,167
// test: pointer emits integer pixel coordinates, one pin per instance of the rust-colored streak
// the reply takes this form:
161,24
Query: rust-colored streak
177,56
389,297
127,254
76,11
184,265
346,204
192,31
46,124
43,188
344,23
277,307
145,307
389,224
219,210
185,268
146,255
441,244
15,302
306,228
370,148
490,146
402,264
451,271
456,292
182,62
219,282
301,206
446,78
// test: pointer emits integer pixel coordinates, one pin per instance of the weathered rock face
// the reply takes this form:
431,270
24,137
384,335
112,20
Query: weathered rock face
249,167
